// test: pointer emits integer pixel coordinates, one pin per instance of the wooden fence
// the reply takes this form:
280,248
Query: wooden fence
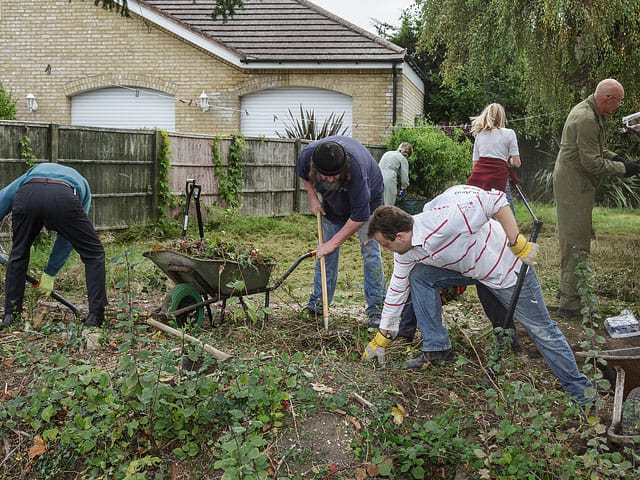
121,167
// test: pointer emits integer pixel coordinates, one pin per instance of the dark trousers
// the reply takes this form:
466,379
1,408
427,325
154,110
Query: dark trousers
492,307
56,207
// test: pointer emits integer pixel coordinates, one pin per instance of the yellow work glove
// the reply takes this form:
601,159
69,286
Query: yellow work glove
525,250
45,285
376,348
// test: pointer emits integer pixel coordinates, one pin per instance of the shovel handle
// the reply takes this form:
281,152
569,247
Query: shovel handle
54,295
323,275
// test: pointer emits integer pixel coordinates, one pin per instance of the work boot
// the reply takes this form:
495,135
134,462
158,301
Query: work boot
568,313
427,357
374,320
94,320
311,313
402,340
6,321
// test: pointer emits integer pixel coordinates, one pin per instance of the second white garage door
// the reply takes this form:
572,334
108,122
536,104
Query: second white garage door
266,113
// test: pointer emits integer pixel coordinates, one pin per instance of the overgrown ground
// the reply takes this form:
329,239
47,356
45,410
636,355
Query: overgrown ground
295,401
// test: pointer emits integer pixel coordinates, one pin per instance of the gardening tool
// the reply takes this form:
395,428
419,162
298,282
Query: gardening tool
193,191
537,225
323,274
35,282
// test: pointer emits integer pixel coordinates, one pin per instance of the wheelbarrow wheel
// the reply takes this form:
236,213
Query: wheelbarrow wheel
183,296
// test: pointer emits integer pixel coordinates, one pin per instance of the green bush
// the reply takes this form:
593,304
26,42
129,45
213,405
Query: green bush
438,161
7,105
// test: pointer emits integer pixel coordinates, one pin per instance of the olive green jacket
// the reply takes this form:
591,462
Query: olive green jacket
582,158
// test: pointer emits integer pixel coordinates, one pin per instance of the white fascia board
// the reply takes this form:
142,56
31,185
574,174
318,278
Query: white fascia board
413,77
191,36
318,66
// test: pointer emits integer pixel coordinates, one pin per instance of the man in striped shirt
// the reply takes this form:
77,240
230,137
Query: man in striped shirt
465,236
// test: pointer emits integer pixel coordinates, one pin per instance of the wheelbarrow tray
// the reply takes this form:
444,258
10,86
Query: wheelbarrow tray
626,358
211,276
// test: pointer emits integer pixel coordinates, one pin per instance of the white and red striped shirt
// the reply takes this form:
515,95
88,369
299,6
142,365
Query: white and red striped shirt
455,231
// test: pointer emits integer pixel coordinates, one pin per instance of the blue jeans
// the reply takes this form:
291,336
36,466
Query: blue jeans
374,283
531,312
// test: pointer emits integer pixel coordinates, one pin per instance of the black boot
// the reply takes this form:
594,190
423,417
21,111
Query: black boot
94,320
6,321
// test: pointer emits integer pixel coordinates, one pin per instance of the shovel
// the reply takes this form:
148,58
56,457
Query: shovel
34,282
537,225
323,274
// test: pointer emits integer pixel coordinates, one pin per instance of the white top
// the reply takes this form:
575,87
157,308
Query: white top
394,166
455,231
499,143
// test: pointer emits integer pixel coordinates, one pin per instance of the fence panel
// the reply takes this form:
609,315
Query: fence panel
121,167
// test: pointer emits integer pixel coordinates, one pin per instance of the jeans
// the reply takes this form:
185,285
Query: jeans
374,282
531,312
492,307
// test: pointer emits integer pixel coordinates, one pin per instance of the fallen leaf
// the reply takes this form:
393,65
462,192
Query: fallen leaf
361,474
372,470
39,447
319,387
354,421
398,413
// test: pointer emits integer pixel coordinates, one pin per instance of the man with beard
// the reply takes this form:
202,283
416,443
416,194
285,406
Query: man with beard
349,181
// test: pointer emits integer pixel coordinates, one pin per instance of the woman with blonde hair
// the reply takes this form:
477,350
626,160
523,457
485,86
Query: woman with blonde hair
495,149
395,169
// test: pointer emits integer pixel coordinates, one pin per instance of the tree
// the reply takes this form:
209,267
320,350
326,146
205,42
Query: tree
560,49
223,9
7,105
453,101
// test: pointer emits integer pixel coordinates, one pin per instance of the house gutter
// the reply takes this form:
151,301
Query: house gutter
394,94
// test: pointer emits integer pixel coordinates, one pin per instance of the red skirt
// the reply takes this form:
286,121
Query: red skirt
490,173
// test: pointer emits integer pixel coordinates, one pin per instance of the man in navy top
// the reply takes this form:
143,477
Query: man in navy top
57,197
349,181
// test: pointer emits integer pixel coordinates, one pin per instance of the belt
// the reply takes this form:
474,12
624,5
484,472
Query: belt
50,180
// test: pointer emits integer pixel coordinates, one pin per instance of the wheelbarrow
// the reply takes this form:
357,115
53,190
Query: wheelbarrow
200,282
622,369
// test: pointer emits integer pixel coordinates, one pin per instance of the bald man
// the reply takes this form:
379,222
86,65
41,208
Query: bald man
581,162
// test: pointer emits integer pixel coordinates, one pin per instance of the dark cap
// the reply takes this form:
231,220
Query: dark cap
329,158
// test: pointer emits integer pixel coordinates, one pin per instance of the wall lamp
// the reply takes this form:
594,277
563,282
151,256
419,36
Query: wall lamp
32,105
204,101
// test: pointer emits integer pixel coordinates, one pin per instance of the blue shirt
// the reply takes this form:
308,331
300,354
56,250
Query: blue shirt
62,247
365,190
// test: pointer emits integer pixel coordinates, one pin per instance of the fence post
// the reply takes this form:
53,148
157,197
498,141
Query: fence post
155,174
54,138
296,180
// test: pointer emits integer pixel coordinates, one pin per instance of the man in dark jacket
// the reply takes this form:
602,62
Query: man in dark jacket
57,197
350,182
582,160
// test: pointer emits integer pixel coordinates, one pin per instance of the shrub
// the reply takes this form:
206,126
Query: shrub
438,161
7,105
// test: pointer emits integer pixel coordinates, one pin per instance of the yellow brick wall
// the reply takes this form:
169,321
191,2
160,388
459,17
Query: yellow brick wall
56,49
412,103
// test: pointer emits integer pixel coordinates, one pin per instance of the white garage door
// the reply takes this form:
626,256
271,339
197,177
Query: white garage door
266,113
124,107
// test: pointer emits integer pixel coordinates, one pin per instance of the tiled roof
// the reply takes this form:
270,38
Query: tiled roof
282,31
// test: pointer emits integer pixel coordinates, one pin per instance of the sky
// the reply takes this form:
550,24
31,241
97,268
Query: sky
361,11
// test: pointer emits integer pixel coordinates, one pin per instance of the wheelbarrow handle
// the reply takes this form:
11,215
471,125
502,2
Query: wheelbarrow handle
291,269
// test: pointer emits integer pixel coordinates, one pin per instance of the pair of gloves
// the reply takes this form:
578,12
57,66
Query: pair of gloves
630,168
45,285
